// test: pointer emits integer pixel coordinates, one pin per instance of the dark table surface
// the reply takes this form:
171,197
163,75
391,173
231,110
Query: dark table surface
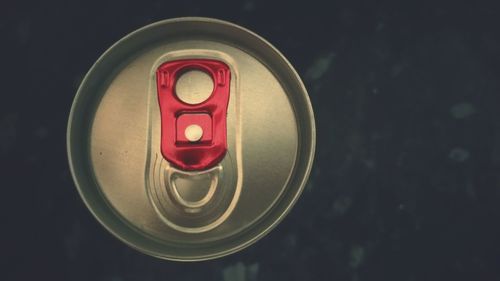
406,182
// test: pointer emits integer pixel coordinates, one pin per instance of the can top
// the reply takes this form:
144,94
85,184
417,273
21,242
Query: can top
191,138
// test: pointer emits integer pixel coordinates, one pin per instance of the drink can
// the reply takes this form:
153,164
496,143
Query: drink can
191,138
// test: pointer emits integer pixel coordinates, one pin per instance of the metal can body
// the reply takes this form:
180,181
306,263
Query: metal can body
185,167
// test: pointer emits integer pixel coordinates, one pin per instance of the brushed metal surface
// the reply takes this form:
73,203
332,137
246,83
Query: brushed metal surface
128,185
268,137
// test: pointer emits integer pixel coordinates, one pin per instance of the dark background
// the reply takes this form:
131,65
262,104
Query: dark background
406,182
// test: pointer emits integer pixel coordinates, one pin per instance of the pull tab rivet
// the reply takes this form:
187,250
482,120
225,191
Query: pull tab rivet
193,133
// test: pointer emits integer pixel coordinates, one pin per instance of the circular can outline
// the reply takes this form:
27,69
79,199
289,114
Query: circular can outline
310,150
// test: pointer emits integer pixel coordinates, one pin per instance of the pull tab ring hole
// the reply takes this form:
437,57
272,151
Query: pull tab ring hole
194,86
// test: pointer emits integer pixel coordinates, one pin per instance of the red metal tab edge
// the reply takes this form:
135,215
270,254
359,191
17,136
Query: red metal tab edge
212,148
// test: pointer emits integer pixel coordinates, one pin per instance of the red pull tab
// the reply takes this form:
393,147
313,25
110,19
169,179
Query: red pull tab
206,145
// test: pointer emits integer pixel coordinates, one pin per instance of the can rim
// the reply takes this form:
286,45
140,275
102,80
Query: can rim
305,172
